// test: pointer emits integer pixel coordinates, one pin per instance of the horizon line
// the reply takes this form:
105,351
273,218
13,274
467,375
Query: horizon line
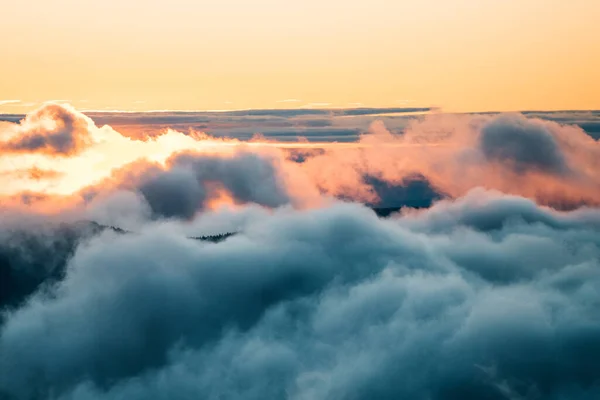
376,110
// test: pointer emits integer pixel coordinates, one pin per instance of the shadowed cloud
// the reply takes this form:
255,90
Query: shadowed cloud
523,144
52,129
327,303
191,179
217,268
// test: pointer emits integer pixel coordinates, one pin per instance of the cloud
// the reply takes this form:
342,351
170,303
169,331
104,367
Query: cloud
4,102
324,303
175,193
190,181
413,192
242,124
250,177
485,291
551,163
316,105
524,144
106,151
34,254
52,129
33,173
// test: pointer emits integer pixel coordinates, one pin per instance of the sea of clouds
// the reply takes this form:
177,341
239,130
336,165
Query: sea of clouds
484,285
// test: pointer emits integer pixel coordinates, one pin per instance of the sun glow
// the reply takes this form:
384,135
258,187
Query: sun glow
220,198
72,157
107,150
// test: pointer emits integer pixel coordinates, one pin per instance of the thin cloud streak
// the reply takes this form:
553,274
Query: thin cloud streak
5,102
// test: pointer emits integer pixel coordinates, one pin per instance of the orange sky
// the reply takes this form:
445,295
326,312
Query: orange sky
462,55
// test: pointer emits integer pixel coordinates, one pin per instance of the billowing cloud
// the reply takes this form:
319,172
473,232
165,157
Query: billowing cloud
174,193
551,163
451,154
325,303
523,144
33,254
106,151
413,192
478,288
53,129
249,177
190,182
192,179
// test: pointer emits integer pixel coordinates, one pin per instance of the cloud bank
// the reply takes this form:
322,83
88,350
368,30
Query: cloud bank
484,285
551,163
452,302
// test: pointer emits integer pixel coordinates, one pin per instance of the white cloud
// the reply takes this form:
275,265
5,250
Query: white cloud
289,101
4,102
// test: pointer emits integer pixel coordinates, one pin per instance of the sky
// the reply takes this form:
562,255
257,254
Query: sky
372,246
461,55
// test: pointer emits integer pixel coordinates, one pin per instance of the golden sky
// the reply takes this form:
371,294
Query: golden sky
462,55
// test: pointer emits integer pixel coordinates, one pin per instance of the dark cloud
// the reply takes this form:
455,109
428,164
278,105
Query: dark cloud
522,143
52,129
174,193
413,192
249,177
328,303
14,118
36,255
182,189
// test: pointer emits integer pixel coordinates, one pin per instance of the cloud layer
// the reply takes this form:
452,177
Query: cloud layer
454,302
483,286
451,154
